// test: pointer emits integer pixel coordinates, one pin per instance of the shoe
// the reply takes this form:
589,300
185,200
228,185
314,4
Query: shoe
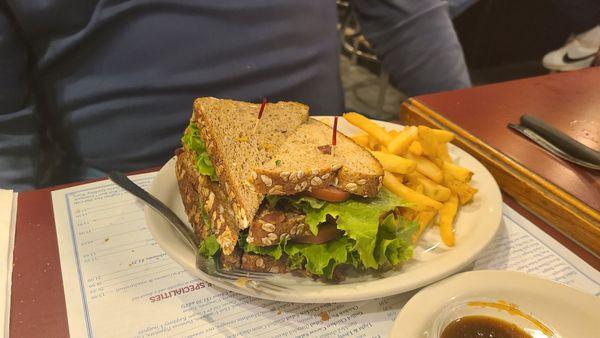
576,54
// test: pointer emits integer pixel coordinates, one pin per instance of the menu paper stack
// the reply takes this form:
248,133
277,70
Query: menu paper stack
122,284
7,225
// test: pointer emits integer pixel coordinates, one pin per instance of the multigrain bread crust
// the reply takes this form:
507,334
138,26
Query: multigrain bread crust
188,180
349,168
199,195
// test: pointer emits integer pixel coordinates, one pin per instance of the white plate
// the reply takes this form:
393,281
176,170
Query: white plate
476,225
567,311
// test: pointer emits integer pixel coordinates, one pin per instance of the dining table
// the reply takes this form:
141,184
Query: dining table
38,309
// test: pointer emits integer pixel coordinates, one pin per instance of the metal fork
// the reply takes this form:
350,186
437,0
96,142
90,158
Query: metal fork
212,266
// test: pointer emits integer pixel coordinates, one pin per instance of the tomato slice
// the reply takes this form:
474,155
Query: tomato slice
329,194
327,231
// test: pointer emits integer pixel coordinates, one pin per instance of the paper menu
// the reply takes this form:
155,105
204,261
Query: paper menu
522,246
118,282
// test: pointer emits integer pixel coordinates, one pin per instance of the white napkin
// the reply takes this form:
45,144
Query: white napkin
7,220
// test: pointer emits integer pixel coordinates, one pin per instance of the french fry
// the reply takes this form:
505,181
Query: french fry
437,161
394,163
418,201
428,141
362,140
369,127
447,213
373,144
411,180
463,190
399,144
427,168
423,219
442,152
400,177
408,213
415,148
415,185
393,133
436,191
460,173
443,136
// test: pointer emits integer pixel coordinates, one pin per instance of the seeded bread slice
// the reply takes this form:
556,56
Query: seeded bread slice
234,148
303,163
263,263
273,226
202,196
188,180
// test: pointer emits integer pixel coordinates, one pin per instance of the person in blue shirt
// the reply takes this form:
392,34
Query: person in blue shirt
90,86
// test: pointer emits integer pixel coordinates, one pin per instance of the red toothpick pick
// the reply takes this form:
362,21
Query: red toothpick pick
260,113
334,136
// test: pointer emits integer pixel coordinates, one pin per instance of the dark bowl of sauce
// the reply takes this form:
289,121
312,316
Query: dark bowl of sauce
483,327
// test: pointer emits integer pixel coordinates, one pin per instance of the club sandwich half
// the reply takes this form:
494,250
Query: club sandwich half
279,197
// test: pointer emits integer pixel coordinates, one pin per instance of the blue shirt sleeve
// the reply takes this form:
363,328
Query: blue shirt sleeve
19,147
416,43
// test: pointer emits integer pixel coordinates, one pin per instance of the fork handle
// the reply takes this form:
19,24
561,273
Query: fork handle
158,206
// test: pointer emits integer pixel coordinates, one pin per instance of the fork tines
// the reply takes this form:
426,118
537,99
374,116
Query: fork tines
250,282
254,279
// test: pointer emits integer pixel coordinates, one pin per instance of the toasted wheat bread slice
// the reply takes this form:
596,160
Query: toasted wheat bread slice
270,226
303,163
234,148
263,263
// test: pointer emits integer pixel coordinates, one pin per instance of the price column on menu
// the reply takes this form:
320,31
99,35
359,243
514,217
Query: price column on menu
106,222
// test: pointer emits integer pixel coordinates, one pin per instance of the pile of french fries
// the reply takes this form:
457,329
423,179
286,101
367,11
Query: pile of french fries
419,169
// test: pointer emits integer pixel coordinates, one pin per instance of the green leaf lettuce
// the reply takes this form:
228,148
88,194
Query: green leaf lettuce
367,242
357,217
192,140
209,246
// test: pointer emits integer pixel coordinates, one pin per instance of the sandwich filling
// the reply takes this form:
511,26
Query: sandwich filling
370,234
